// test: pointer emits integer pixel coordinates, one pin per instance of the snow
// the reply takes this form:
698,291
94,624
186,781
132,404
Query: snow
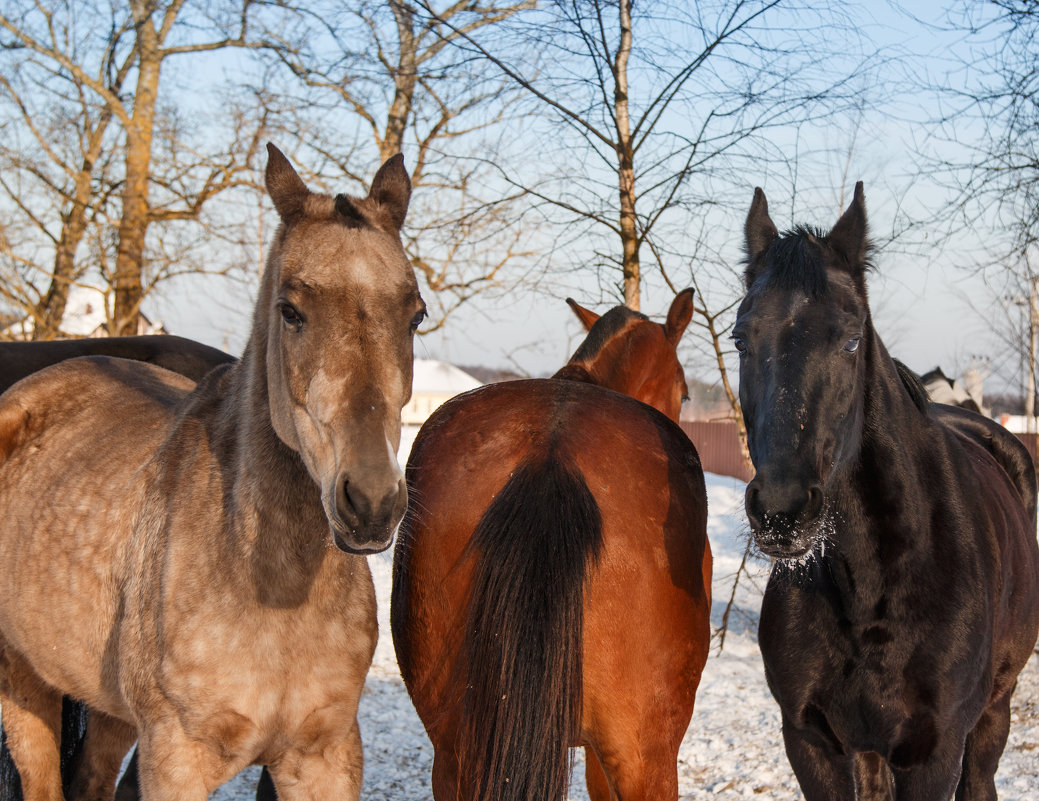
733,748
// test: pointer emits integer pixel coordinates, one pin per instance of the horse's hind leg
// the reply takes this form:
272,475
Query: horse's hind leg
981,755
594,777
97,765
633,765
32,725
445,775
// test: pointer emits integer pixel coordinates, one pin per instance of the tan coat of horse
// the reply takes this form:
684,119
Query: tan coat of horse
168,554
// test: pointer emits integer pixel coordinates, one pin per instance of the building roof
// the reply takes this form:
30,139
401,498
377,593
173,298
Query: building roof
440,378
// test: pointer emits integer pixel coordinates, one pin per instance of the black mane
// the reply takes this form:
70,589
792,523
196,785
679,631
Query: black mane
605,328
914,386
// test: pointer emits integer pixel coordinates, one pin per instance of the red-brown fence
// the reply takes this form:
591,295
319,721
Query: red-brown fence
1030,441
718,444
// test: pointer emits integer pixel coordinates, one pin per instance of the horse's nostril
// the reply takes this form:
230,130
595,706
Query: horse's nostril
752,503
814,504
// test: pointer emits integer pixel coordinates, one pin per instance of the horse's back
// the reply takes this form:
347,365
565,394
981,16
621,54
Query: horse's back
185,356
1007,450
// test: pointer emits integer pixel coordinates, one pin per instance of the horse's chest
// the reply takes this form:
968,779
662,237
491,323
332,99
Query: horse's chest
877,686
241,672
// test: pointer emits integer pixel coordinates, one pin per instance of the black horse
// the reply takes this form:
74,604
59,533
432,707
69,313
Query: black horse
904,599
19,359
184,356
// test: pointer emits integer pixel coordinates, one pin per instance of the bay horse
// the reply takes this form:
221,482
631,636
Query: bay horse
189,560
904,597
551,581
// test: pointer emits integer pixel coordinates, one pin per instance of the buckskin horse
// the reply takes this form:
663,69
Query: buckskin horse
551,580
20,359
178,575
904,599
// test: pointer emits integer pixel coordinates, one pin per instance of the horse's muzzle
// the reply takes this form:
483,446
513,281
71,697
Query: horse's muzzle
784,516
364,521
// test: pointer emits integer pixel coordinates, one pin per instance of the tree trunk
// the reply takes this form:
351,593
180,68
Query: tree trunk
630,267
404,79
133,226
51,309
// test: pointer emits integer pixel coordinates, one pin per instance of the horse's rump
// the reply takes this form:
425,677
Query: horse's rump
551,519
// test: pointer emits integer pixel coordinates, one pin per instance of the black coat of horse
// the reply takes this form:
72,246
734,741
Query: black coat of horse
184,356
904,599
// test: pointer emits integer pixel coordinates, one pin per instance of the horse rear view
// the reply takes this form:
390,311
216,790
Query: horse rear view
551,579
904,599
189,560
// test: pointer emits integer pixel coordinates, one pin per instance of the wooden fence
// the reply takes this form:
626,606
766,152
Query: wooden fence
718,444
1030,441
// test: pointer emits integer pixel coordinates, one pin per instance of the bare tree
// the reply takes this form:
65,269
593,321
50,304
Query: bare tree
984,152
86,56
991,110
407,90
53,162
654,96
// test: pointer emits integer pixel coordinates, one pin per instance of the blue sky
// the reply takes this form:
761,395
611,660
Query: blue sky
919,292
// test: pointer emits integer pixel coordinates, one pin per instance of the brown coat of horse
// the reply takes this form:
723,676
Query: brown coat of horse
178,573
552,577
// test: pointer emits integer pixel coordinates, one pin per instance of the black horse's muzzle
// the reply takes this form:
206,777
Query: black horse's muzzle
784,516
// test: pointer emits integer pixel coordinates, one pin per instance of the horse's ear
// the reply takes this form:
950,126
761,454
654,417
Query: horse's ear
848,236
587,317
679,315
759,231
391,189
284,185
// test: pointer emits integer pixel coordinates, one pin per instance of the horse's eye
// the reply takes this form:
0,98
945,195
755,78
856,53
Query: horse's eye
740,345
852,344
290,314
416,321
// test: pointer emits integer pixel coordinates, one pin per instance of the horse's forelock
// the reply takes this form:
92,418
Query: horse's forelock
797,260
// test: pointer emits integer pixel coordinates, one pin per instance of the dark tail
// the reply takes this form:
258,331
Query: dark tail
73,730
523,652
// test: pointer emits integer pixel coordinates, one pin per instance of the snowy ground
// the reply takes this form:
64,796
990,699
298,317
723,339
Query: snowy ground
733,747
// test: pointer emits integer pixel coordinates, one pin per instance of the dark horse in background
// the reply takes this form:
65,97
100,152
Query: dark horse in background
185,356
904,599
552,578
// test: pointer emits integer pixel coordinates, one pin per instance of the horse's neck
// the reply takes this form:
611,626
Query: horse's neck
881,516
278,513
606,370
